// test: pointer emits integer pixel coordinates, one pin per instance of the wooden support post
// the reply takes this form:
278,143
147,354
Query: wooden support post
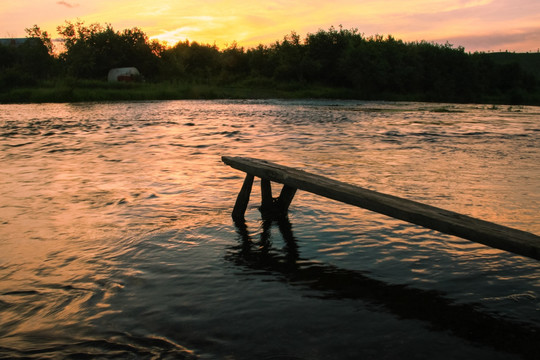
243,198
266,192
285,198
445,221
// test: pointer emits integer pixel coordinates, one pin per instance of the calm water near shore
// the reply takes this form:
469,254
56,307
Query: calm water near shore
116,239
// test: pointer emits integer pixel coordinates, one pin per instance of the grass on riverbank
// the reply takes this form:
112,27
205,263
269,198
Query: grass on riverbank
73,90
86,90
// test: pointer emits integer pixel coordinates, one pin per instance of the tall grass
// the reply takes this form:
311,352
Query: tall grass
65,90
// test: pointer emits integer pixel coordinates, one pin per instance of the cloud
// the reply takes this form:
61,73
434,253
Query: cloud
66,4
522,40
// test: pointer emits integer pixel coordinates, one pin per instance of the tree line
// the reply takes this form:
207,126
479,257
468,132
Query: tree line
373,67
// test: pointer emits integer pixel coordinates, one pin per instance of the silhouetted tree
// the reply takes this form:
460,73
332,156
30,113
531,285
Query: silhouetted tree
375,67
289,58
91,51
261,61
234,63
27,63
35,33
189,61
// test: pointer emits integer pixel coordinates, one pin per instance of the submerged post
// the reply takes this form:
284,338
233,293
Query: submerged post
266,193
243,198
285,198
445,221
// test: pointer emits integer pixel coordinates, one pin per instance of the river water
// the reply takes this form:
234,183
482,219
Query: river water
116,239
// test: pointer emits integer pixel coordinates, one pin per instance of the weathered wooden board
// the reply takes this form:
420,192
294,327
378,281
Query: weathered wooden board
448,222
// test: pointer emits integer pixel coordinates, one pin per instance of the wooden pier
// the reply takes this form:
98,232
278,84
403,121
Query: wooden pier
448,222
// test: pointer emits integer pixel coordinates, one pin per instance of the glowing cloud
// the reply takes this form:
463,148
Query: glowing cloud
64,3
264,21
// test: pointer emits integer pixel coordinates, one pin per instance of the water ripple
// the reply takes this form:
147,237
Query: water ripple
117,239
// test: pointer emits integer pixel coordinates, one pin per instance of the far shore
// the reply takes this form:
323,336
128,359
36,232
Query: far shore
97,91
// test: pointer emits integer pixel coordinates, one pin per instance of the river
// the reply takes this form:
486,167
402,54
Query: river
116,237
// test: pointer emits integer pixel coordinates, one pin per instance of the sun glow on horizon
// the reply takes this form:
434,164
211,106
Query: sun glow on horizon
475,24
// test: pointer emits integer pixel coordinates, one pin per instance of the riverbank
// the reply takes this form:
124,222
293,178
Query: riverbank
90,91
103,91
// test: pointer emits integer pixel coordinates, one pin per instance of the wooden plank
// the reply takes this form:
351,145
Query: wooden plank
243,198
448,222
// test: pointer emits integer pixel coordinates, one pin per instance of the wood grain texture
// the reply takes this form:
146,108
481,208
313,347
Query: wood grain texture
448,222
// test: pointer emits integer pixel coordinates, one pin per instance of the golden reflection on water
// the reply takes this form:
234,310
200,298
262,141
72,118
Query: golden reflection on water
103,204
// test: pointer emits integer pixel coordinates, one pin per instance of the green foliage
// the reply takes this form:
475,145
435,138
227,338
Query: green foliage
189,61
42,36
28,63
91,51
234,64
336,62
530,62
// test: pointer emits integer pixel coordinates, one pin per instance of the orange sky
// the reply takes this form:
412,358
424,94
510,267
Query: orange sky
478,25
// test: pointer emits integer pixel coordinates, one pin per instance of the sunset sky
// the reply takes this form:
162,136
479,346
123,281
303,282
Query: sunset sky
478,25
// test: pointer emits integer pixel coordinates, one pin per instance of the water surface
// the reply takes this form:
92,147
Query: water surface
117,241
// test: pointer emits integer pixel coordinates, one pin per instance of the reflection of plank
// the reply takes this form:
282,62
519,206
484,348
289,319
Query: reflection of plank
448,222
